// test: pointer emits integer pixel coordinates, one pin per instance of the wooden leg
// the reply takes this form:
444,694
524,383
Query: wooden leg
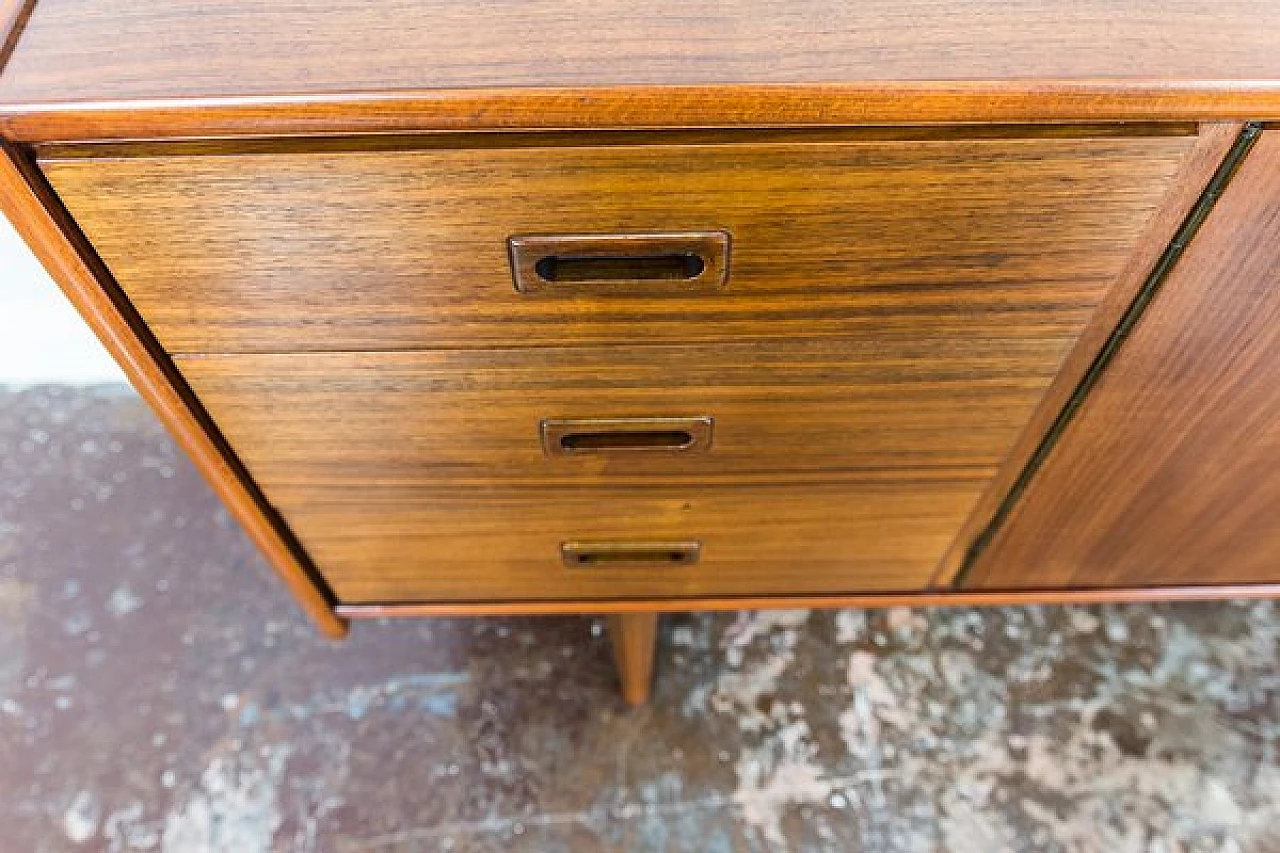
635,638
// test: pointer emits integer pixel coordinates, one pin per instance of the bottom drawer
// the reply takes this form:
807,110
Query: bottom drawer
382,544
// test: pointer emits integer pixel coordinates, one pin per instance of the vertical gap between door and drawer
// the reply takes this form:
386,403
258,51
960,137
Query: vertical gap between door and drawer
1146,294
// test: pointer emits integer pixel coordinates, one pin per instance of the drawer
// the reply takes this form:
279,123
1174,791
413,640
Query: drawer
350,246
704,412
380,542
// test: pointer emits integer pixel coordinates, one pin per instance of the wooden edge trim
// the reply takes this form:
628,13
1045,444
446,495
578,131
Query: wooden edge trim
1212,147
38,216
817,602
513,139
644,107
14,15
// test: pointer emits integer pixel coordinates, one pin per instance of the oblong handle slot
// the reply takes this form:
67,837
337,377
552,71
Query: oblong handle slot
671,439
624,435
620,263
589,554
625,268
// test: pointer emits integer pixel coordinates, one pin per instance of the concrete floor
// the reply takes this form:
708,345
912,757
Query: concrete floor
158,691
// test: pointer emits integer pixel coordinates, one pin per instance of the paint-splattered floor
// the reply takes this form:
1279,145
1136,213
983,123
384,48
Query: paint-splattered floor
159,692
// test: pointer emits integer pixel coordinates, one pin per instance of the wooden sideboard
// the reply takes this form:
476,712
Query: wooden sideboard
631,307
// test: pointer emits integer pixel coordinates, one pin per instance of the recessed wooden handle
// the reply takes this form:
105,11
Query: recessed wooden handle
625,435
620,263
603,554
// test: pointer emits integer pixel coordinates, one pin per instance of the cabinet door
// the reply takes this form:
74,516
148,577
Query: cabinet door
1170,472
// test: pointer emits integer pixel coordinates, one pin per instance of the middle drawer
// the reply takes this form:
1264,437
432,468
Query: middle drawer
758,410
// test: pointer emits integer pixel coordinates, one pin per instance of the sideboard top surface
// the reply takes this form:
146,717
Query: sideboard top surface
122,49
119,69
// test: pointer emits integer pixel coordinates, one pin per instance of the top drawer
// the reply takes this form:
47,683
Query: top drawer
322,248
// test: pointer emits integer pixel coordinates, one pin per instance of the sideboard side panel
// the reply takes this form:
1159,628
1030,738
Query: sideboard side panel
1211,150
38,216
1170,473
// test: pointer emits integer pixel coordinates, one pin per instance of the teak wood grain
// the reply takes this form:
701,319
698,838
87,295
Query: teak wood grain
387,541
75,50
379,250
200,71
779,408
1170,474
38,217
1212,148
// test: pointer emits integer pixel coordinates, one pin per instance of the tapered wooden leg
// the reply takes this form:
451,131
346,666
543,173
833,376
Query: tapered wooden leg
635,638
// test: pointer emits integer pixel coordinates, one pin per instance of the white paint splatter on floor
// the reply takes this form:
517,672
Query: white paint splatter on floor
123,601
1149,728
234,809
80,822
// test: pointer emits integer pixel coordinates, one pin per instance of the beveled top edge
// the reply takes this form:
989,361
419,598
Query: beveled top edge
643,108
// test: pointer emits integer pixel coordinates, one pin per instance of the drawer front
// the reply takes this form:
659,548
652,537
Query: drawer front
309,250
731,412
380,542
